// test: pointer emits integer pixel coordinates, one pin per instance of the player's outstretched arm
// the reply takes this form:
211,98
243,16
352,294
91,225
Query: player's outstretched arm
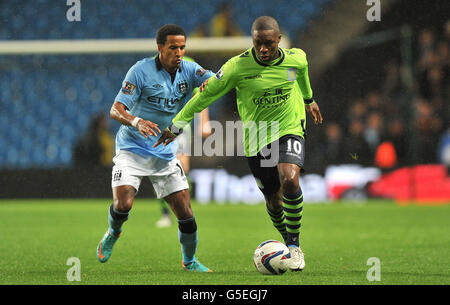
305,87
210,91
146,128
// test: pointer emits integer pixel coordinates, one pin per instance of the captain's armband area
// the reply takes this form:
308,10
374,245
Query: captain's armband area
174,130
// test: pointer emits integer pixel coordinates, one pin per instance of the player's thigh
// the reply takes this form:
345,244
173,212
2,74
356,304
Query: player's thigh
168,177
292,150
291,160
125,181
170,183
267,178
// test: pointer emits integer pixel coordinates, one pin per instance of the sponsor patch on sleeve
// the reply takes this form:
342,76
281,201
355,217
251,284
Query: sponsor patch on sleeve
200,72
128,88
219,74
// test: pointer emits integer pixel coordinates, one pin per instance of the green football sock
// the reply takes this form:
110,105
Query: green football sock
278,220
293,211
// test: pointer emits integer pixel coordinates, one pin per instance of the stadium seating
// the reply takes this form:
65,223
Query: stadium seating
140,18
46,102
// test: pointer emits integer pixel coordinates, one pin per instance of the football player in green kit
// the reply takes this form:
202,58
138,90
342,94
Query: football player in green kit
273,91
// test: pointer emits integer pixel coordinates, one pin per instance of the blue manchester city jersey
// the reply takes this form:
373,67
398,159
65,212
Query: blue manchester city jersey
149,93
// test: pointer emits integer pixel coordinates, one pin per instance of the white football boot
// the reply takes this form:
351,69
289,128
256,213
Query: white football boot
297,260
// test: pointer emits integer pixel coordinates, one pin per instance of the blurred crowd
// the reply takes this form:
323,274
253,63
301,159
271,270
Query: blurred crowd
95,148
222,24
395,125
383,128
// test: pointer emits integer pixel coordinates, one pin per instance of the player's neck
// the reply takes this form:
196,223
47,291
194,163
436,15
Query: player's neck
274,59
171,70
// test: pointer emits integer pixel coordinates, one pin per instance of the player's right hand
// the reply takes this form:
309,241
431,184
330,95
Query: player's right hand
145,128
314,109
203,86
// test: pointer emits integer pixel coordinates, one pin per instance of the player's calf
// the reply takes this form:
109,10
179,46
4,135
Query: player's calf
187,233
293,210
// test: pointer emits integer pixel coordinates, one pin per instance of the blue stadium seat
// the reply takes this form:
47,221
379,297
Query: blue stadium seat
144,16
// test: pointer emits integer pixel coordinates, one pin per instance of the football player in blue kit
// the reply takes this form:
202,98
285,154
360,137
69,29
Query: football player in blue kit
153,92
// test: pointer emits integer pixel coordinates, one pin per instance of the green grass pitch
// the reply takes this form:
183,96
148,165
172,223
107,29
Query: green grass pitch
39,236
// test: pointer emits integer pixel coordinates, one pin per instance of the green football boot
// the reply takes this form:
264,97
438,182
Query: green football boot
104,248
195,266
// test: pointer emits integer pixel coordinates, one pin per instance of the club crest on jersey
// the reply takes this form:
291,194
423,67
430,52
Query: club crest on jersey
182,86
128,88
292,74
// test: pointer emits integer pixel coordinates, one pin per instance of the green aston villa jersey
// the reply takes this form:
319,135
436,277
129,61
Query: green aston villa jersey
269,96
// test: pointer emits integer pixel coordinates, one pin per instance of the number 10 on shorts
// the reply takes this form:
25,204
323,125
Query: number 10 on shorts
297,146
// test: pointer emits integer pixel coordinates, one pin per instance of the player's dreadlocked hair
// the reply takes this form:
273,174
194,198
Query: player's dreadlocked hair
166,30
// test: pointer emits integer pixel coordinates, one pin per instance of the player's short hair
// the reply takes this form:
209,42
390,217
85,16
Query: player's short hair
265,23
166,30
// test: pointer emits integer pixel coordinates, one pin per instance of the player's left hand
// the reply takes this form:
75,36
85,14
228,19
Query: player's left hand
313,108
166,138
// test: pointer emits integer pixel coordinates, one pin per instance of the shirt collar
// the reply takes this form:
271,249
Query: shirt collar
275,62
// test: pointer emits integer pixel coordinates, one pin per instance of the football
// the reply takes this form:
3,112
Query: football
271,257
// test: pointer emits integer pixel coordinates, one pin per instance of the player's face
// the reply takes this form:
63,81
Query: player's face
266,44
172,52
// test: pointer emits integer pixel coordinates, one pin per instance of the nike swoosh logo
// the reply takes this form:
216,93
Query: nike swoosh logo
100,255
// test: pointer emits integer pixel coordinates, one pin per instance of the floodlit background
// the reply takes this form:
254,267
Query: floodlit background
381,78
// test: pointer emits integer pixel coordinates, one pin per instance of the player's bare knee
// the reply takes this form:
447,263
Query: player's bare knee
289,184
123,199
127,204
123,205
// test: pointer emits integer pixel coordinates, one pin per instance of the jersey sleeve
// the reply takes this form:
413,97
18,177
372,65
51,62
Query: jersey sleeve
303,77
218,85
200,74
131,88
